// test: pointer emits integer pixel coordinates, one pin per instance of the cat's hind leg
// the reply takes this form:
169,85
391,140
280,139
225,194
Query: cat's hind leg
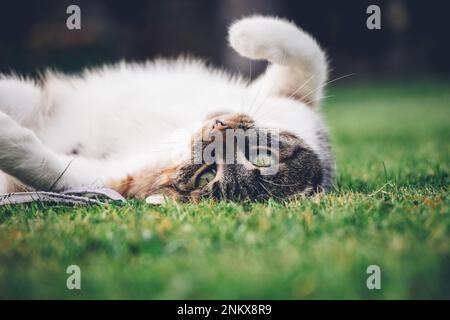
20,98
298,66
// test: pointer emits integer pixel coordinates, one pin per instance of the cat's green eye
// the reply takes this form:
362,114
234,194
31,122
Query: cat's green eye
206,177
263,161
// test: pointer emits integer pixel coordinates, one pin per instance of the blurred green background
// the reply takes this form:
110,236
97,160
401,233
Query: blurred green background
413,40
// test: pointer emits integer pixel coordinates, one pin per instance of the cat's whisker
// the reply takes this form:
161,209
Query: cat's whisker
281,185
269,192
244,97
291,95
326,83
301,87
269,113
61,175
312,91
261,86
322,98
295,92
98,181
246,81
258,107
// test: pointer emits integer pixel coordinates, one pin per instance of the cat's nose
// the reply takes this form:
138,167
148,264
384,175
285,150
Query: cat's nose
219,126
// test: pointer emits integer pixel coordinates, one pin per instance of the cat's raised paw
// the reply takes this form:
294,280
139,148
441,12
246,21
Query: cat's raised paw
264,38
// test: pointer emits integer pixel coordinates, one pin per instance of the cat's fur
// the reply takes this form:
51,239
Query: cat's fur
130,126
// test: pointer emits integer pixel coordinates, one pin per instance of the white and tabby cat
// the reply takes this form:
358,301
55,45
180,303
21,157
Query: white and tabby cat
130,126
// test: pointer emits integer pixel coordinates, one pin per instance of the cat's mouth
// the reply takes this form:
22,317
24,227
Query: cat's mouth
233,159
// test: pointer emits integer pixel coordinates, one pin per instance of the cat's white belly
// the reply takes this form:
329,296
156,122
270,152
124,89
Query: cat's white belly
150,119
100,119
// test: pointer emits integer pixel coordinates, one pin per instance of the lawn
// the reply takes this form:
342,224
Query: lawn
389,208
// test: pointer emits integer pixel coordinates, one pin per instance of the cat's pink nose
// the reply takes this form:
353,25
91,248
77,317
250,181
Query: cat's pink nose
219,126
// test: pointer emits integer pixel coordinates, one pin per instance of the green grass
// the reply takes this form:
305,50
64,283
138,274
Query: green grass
390,208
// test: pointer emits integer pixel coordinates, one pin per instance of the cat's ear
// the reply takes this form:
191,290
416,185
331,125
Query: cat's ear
156,199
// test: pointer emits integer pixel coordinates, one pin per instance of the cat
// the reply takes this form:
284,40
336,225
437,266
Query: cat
132,126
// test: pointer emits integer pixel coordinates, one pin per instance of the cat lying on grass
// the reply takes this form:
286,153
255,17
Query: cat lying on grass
134,127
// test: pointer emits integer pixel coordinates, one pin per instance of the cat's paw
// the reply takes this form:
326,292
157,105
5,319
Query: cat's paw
264,38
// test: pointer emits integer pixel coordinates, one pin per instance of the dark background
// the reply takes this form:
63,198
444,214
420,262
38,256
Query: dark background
413,41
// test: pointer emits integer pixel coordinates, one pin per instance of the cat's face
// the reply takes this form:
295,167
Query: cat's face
264,164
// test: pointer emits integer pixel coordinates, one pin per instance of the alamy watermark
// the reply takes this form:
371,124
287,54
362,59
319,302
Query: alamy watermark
74,280
374,280
73,21
374,20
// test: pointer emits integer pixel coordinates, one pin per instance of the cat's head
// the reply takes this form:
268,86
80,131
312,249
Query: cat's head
232,158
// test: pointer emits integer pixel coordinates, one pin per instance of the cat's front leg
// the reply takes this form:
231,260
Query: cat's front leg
298,66
25,157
